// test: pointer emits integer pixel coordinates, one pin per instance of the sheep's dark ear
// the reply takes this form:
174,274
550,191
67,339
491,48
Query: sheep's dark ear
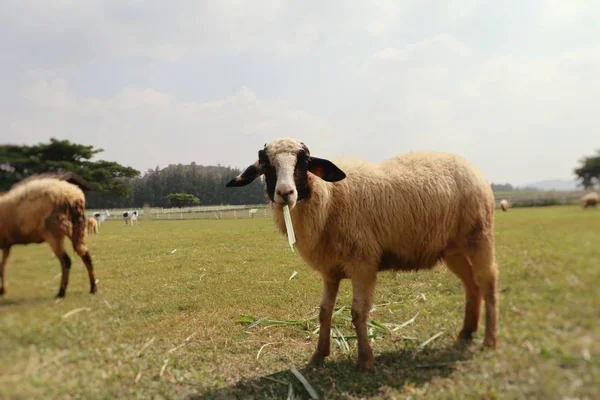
325,169
246,177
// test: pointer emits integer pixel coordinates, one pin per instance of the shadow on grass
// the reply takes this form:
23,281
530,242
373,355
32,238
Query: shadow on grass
338,379
6,302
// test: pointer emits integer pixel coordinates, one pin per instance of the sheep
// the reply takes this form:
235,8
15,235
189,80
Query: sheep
504,205
354,219
41,209
590,200
130,216
92,225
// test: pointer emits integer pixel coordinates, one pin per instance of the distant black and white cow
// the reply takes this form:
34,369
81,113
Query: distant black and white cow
130,216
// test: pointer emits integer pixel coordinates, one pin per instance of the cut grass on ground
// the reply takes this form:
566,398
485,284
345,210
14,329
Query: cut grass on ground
213,309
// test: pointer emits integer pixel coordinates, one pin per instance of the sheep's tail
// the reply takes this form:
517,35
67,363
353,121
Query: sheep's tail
79,232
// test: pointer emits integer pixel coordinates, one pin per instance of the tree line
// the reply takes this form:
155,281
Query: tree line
119,186
181,186
206,183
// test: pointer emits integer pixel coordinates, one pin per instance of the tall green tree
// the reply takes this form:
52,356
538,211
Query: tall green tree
19,162
589,171
182,200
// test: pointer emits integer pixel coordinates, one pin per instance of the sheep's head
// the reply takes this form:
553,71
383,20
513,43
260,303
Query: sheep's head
285,163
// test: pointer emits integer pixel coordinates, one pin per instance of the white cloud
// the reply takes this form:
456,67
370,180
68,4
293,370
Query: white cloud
67,32
514,116
558,14
423,60
409,93
146,127
98,30
50,94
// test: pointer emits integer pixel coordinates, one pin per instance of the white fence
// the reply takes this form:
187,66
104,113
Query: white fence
202,212
515,199
538,199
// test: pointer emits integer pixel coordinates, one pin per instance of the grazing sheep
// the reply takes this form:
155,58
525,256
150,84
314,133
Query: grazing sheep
44,209
504,205
130,216
406,213
92,225
590,200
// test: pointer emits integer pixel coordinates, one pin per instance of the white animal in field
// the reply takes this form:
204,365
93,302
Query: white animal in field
101,216
130,216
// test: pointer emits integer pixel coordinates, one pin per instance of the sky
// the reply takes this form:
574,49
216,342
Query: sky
513,86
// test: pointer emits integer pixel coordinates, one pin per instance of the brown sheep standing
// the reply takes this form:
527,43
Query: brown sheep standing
590,200
45,209
353,220
92,225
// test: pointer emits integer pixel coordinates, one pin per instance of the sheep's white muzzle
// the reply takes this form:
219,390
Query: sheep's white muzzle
286,197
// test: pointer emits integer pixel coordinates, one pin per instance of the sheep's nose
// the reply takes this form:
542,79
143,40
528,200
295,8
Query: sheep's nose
285,194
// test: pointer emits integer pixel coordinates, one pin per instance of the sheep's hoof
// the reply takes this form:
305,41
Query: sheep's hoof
317,360
93,290
2,291
61,293
466,336
364,364
364,367
490,342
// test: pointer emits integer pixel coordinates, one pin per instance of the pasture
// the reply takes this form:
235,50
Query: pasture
207,309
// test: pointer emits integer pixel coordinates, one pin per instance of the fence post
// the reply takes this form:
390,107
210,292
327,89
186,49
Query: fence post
234,214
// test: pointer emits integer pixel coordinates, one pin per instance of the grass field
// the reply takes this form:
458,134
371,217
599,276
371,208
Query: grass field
164,323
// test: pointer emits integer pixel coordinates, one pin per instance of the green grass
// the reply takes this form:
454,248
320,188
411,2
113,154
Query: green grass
191,323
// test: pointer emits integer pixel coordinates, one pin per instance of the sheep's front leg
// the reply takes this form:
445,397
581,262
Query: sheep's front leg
5,253
330,290
362,299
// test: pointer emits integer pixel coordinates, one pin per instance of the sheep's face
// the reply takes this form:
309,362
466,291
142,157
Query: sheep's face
285,163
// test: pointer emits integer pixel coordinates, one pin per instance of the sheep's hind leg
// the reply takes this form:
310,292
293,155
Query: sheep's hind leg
87,260
330,290
5,253
460,265
84,253
362,299
485,271
57,245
